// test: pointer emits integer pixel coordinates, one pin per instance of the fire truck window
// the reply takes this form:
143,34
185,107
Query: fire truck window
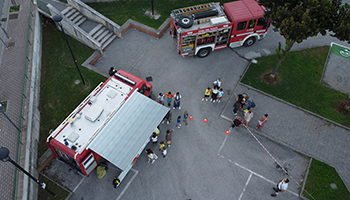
241,26
251,23
261,21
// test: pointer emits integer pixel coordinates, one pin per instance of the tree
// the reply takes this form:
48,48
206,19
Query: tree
299,19
341,27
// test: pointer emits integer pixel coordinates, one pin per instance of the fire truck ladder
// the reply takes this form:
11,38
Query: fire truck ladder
194,9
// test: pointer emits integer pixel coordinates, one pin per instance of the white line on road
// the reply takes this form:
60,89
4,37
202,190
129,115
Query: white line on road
80,182
128,184
258,175
246,184
223,143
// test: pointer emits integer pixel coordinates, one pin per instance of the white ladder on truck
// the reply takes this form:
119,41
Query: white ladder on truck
194,9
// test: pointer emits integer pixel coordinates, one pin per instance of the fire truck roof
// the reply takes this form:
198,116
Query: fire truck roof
243,10
85,122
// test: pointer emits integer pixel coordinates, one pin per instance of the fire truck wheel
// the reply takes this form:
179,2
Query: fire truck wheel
249,42
185,21
203,52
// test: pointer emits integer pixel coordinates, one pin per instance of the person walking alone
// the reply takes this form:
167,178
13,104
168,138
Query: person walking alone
261,122
281,187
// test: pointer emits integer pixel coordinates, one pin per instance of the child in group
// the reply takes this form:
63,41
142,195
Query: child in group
248,115
178,121
161,145
214,94
206,94
221,92
177,100
170,98
167,117
164,152
154,138
160,98
168,136
151,156
186,117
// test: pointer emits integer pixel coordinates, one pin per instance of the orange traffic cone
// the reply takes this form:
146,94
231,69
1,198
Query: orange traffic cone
205,120
227,132
191,117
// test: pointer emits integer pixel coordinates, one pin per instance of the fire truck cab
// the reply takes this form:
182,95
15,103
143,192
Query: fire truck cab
200,29
113,123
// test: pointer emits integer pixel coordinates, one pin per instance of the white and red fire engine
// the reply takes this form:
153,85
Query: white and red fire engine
200,29
113,123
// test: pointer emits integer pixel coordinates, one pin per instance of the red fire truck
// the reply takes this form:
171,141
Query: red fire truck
113,124
200,29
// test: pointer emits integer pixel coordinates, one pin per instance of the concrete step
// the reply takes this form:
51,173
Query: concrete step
82,20
110,39
99,32
70,13
106,37
74,16
66,10
100,37
94,30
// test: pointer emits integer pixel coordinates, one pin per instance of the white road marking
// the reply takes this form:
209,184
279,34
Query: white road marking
250,171
128,184
223,143
258,175
246,184
80,182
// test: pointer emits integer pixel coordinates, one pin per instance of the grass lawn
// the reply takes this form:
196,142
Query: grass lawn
318,182
300,85
59,95
44,195
122,10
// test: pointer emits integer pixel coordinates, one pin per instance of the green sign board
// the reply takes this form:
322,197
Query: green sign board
340,50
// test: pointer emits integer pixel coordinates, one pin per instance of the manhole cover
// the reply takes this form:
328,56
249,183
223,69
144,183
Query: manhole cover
4,19
13,16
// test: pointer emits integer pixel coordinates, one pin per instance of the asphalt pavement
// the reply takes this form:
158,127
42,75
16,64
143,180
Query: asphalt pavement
204,162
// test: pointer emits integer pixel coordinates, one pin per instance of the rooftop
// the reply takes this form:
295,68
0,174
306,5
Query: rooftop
85,122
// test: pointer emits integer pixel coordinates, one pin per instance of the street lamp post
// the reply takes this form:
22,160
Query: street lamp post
58,19
152,9
4,156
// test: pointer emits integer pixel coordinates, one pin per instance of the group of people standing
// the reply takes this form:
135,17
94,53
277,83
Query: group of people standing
163,145
177,100
167,98
215,93
245,104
